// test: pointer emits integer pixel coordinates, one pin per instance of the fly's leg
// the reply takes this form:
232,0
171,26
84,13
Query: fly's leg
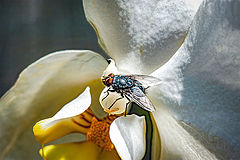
117,100
147,87
109,90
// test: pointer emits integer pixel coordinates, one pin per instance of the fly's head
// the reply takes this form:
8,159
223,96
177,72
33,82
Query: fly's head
107,81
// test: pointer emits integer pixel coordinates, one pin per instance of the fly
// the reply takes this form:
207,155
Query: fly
133,87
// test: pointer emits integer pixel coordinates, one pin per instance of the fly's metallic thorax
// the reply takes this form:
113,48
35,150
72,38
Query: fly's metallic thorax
122,82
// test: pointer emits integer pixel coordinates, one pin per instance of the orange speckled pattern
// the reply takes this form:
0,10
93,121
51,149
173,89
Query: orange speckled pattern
98,133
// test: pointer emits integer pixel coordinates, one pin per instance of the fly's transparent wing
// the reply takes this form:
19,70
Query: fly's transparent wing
137,96
145,80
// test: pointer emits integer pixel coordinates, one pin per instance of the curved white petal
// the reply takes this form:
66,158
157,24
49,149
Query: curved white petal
73,117
128,136
71,109
200,85
113,102
41,89
140,35
75,107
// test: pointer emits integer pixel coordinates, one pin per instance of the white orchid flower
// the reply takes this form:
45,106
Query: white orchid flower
197,115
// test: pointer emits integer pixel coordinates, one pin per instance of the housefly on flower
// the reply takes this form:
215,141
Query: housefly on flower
131,87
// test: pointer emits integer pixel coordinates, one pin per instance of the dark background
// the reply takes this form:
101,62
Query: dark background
30,29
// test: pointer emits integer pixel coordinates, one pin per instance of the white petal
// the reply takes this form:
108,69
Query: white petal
128,136
70,110
42,89
176,142
118,107
75,107
200,83
64,121
141,35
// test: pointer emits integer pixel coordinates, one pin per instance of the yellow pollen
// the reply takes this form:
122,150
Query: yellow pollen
98,133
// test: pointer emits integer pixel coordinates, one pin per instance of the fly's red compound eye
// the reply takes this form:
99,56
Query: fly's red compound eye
108,82
111,75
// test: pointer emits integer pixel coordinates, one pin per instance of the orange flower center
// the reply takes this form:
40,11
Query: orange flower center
98,132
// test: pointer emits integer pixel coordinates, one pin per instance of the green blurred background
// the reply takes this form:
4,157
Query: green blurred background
30,29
